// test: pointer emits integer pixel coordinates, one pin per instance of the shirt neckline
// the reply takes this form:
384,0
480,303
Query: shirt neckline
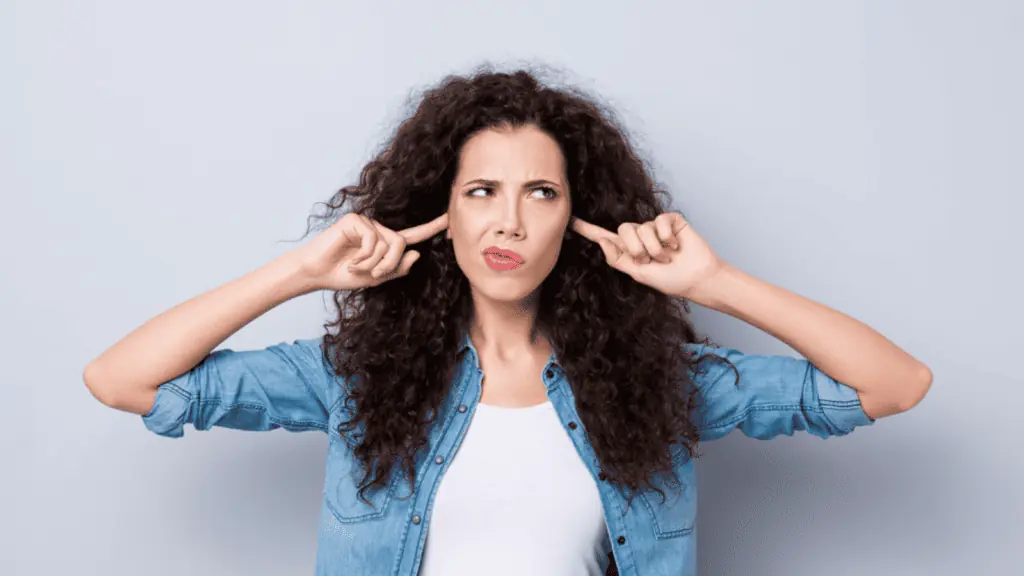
533,407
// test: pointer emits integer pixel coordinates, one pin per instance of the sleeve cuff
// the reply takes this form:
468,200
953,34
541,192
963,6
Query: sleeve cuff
841,405
170,409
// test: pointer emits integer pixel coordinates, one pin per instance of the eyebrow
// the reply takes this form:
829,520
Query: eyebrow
496,184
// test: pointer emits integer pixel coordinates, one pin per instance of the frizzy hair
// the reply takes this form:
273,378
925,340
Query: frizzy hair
619,342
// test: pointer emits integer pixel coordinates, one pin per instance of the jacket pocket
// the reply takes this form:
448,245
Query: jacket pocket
675,514
341,487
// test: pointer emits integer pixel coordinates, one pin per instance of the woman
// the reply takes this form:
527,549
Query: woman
513,386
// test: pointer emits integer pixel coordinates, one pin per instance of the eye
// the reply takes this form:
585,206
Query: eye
554,193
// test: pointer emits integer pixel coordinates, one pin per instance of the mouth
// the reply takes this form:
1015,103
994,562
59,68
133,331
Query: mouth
501,259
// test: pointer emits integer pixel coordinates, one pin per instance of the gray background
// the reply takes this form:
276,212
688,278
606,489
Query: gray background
863,154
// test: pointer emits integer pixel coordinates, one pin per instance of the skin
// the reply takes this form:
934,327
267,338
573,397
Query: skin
669,255
665,253
516,212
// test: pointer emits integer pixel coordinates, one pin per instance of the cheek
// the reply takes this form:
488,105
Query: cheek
461,228
549,249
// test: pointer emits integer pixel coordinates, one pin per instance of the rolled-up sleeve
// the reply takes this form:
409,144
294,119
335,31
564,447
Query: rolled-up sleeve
285,385
773,395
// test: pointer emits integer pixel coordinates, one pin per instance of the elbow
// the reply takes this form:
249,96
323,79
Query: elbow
918,390
93,383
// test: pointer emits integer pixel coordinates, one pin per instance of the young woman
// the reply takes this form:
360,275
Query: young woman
513,386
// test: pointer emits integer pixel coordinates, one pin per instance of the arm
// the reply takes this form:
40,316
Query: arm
886,378
766,396
128,374
287,385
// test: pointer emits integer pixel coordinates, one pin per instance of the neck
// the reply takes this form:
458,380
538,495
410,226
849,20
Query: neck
506,330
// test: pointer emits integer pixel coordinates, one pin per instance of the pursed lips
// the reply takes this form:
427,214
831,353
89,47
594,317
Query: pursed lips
502,253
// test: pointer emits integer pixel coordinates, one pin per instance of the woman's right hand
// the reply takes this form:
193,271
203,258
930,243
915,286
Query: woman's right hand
356,252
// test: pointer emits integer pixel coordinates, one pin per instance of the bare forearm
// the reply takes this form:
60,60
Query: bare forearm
128,373
844,348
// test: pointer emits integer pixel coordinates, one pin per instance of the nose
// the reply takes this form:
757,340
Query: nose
509,223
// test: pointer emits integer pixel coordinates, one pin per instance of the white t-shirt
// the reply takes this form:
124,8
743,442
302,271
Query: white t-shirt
516,499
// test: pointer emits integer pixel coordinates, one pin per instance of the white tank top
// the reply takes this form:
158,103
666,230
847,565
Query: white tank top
516,499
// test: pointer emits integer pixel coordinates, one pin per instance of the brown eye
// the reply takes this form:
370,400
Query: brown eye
554,193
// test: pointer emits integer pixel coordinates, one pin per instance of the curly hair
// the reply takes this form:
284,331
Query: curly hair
618,341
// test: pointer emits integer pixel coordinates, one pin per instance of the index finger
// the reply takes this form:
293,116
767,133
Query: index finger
423,231
590,231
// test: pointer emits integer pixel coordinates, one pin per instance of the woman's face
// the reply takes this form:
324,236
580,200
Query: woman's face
509,193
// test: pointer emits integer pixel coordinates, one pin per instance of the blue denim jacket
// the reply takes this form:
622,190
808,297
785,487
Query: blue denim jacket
290,386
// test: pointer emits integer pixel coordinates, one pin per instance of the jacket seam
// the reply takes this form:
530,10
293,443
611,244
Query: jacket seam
302,376
837,405
271,417
843,404
417,553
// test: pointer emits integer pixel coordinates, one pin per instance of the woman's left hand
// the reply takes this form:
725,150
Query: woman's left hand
666,253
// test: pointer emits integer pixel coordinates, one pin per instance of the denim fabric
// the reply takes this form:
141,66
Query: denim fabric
290,386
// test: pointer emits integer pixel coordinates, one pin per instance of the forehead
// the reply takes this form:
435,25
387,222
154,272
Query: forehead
524,152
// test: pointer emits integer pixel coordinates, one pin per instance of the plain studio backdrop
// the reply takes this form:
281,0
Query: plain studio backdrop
863,154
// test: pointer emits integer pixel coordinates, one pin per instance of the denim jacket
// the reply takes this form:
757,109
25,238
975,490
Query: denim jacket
291,386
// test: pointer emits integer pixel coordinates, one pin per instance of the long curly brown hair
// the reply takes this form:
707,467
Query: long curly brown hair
619,342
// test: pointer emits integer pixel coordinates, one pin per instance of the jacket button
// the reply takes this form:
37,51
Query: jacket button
601,476
416,520
439,459
550,374
572,425
621,540
462,407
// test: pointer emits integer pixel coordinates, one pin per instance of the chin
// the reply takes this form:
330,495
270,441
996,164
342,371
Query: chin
500,290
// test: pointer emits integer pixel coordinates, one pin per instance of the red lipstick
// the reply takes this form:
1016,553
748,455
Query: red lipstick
501,258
